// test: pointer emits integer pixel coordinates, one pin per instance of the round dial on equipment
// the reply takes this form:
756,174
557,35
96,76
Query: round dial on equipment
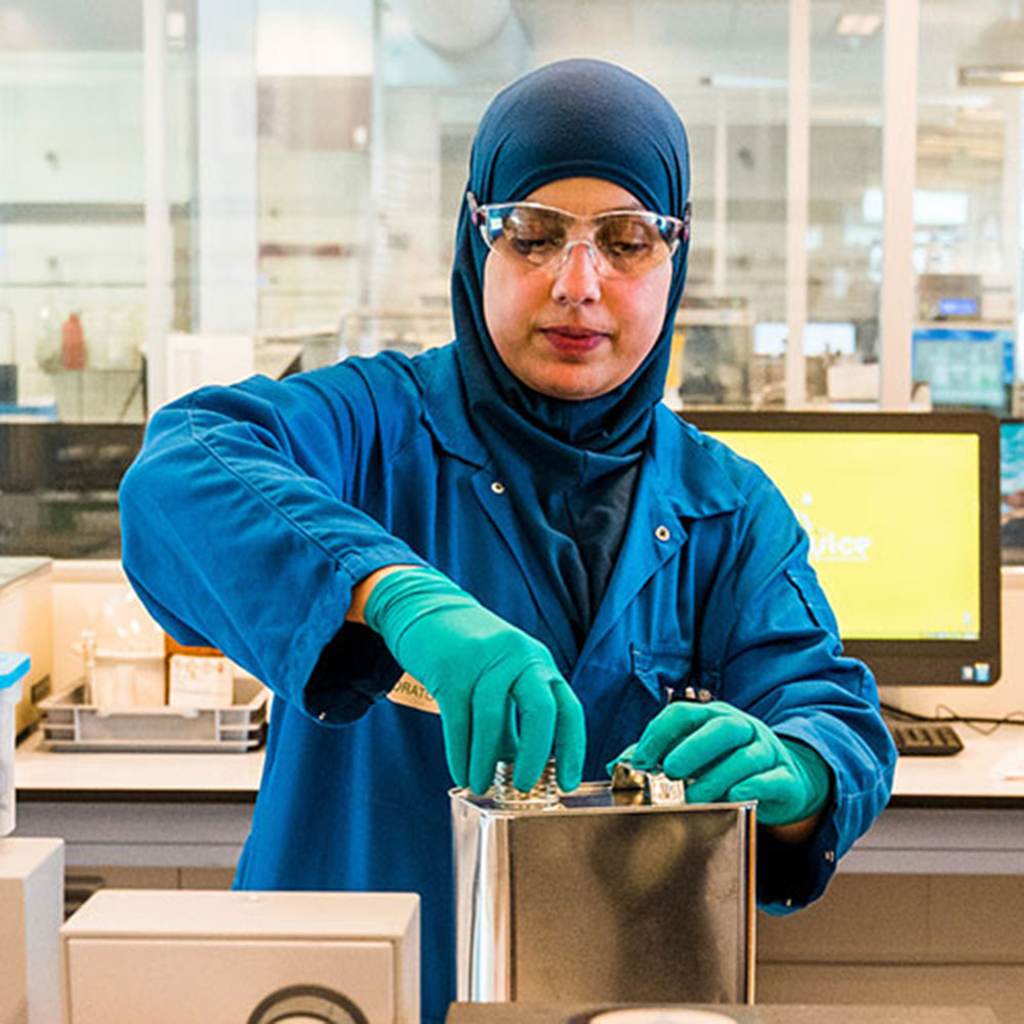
307,1004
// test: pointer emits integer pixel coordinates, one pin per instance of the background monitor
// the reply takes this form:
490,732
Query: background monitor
901,510
1011,490
58,487
967,368
949,296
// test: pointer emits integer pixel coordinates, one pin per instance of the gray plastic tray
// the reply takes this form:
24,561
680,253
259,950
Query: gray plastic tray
69,723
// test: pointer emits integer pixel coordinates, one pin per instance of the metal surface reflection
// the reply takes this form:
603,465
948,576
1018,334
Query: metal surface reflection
604,897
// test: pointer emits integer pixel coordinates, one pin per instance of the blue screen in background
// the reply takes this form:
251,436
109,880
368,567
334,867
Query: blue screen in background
1011,487
958,307
965,367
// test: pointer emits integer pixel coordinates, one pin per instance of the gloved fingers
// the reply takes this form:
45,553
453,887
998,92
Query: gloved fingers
704,746
533,694
570,736
510,742
717,781
455,724
488,734
668,727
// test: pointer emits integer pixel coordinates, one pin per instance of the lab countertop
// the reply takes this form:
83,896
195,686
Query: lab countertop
973,777
948,815
14,568
989,770
41,774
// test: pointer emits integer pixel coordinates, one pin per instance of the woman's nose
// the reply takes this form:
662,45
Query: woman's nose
576,278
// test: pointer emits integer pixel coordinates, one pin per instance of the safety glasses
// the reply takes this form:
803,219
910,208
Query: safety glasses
622,243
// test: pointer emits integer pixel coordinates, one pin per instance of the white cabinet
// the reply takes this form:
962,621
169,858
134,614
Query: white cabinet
222,957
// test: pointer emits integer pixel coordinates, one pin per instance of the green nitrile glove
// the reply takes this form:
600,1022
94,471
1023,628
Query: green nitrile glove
727,755
479,669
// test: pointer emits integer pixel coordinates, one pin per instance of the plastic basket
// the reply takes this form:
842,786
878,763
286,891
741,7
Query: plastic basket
69,723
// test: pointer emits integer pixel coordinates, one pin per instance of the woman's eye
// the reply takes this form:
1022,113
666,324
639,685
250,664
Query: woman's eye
627,239
525,245
627,248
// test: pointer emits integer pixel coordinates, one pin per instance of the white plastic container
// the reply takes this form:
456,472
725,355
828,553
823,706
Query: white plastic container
123,656
12,668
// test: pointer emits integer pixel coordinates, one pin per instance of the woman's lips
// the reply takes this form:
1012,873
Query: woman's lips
574,340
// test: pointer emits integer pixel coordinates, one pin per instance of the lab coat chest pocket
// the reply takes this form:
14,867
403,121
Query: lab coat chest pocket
664,670
621,698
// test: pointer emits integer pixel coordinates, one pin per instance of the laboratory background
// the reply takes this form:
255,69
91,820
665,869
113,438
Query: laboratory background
193,191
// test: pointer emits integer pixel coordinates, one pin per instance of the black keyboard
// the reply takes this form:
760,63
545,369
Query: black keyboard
929,739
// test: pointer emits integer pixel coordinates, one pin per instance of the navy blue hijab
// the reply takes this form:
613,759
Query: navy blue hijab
570,466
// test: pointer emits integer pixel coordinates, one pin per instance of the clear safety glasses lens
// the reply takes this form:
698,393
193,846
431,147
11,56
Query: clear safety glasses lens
627,243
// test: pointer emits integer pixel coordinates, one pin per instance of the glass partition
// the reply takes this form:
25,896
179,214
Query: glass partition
844,239
967,203
72,298
312,158
73,260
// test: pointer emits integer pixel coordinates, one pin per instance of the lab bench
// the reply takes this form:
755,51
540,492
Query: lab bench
948,815
138,809
924,909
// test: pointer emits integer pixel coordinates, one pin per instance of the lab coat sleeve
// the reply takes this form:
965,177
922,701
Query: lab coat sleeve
241,529
782,661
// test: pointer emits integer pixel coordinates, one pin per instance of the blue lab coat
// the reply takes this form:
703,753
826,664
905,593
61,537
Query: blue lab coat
251,511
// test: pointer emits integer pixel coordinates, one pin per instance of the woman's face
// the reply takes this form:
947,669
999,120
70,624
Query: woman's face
566,331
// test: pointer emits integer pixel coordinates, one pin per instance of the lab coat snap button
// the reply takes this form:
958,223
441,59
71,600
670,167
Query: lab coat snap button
498,487
322,715
662,533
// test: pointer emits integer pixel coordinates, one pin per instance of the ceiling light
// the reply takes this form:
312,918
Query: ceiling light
992,76
996,56
176,24
858,24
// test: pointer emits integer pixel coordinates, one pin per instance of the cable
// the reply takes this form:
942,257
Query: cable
944,713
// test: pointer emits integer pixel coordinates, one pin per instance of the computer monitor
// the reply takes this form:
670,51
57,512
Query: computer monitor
58,487
901,510
970,368
1011,490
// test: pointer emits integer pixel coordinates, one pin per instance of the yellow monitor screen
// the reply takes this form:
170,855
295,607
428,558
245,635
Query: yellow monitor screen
893,522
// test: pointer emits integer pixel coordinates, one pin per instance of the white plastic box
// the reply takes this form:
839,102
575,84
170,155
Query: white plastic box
31,912
166,956
12,668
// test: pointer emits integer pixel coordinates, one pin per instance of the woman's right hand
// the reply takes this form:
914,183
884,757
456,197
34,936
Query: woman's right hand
485,675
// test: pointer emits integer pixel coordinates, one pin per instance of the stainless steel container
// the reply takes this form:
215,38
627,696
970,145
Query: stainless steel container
604,895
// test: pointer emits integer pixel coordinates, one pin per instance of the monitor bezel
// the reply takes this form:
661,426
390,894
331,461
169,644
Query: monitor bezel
909,662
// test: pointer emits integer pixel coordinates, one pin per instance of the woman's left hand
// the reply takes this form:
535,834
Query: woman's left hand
724,754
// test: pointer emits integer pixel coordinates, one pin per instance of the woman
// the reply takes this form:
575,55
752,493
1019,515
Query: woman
518,523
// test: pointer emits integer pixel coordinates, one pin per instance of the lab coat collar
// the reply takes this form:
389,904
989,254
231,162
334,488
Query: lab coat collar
690,475
690,472
445,408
